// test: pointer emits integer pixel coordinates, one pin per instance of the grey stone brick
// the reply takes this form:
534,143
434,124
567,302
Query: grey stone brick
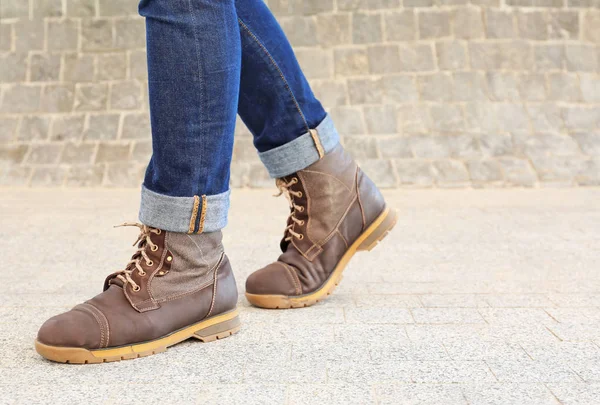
517,172
351,61
399,89
581,117
400,25
366,28
492,3
589,142
367,4
395,147
590,87
546,117
124,175
117,7
142,151
67,128
515,55
21,99
484,170
90,97
589,173
96,35
549,57
130,33
533,24
258,176
29,35
469,86
108,152
365,91
334,30
6,37
414,58
78,153
503,86
46,8
45,67
591,24
310,7
286,7
8,128
13,67
481,117
348,120
564,87
331,92
413,118
557,168
44,153
57,98
14,9
535,3
419,3
548,145
447,117
381,119
450,172
463,146
380,171
384,59
12,154
85,176
16,176
243,149
434,24
451,55
81,8
316,63
48,176
533,87
563,25
512,117
111,66
582,58
496,144
103,127
136,126
429,146
435,87
78,68
361,147
125,95
63,34
413,172
33,128
468,23
300,30
138,65
500,24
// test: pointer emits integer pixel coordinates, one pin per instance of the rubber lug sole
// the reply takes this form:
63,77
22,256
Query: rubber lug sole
217,327
374,234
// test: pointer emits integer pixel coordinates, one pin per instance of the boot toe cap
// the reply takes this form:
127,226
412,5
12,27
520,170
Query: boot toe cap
274,279
75,328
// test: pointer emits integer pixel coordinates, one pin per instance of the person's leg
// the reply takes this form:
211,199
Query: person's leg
335,209
179,283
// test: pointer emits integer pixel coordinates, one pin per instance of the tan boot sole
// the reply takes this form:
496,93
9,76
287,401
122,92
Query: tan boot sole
217,327
366,241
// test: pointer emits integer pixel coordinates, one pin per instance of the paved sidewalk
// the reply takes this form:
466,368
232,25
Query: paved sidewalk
477,297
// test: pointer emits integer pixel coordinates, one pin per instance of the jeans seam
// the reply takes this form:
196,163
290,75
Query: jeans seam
274,63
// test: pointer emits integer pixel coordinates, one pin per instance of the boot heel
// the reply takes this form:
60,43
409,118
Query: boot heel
219,330
378,230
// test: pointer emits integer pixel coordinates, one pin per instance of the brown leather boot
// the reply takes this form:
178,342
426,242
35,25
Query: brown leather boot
336,210
176,286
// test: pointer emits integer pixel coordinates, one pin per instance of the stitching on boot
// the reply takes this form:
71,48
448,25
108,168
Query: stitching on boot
84,308
360,205
344,239
106,323
294,276
315,136
330,175
212,303
194,214
203,214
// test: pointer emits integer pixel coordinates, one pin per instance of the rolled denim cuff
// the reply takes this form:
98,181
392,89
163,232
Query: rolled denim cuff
301,152
197,214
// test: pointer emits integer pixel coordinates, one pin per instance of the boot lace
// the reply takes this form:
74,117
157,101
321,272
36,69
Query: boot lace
285,189
142,242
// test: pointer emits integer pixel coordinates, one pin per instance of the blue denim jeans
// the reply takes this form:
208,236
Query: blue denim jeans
209,60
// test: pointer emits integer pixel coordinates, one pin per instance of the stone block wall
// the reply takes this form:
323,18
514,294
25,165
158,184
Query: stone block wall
426,93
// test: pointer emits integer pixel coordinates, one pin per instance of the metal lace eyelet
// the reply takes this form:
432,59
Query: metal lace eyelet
300,194
142,273
295,180
136,288
154,248
301,223
301,237
301,209
150,263
159,231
